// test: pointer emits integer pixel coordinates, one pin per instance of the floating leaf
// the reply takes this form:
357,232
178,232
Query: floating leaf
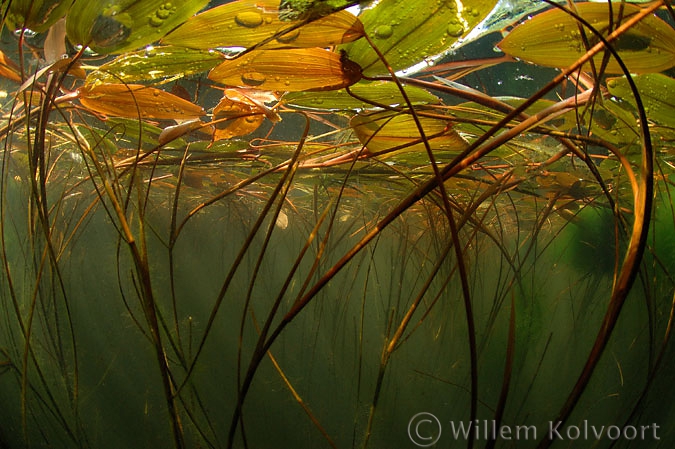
290,70
615,124
657,92
553,39
379,92
9,69
134,100
155,63
113,27
409,32
386,131
35,15
246,23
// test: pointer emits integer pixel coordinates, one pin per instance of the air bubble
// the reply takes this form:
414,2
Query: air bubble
155,21
384,32
289,37
253,79
455,30
249,19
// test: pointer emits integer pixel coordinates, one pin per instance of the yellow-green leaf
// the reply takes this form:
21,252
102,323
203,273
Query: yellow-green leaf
36,15
135,100
245,23
290,70
410,32
120,25
378,92
553,39
386,131
657,92
156,63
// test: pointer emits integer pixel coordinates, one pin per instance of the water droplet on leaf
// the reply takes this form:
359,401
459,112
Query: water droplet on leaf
384,32
455,30
253,78
289,37
249,19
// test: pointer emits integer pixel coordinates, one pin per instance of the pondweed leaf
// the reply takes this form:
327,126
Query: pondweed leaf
290,70
657,92
155,63
242,115
135,100
554,39
9,69
378,92
388,131
117,26
409,32
35,15
245,23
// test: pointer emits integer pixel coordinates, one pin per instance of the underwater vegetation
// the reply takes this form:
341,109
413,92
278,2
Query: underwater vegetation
339,224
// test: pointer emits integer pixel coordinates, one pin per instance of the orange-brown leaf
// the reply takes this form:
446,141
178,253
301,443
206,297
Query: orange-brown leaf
236,115
9,69
245,23
136,100
291,70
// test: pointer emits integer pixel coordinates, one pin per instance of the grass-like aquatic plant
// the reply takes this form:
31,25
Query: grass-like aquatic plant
280,224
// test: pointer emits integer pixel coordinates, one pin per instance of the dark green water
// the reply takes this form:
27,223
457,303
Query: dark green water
89,323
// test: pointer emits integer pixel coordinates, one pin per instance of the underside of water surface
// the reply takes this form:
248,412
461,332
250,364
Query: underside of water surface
213,237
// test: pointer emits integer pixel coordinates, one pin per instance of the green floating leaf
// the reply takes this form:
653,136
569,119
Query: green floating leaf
614,124
116,26
246,23
657,92
410,32
386,132
155,63
553,39
36,15
379,92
